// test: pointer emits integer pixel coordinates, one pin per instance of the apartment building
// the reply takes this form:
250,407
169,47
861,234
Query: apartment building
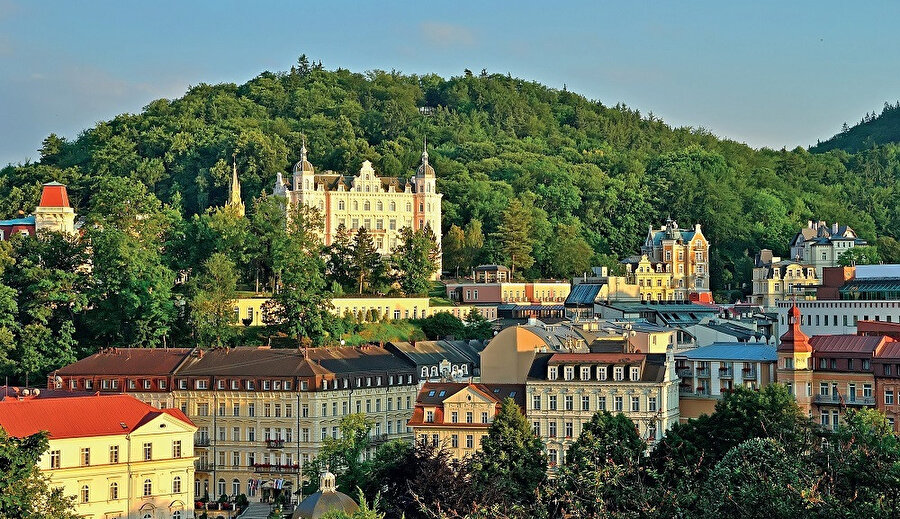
119,457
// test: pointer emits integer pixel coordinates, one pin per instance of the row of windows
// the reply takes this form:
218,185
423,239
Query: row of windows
601,373
555,456
85,454
454,440
114,383
454,417
275,410
840,304
277,436
287,385
568,403
456,370
147,491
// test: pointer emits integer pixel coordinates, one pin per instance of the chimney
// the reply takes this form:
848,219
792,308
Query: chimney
834,228
809,224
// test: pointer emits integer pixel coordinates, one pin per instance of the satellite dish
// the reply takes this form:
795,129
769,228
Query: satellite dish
37,392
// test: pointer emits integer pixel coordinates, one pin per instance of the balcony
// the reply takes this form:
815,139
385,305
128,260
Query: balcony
275,468
277,443
702,372
684,371
831,399
202,441
378,439
204,466
726,373
748,374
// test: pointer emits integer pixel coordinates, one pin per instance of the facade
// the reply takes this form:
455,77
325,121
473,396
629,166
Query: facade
708,372
534,292
382,205
437,361
686,254
775,280
565,390
508,357
830,373
260,413
821,245
119,457
887,383
53,213
839,317
456,416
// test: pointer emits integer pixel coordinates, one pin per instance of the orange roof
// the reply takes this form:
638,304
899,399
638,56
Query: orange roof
78,416
54,195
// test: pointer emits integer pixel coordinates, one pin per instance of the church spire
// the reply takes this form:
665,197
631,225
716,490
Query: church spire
234,191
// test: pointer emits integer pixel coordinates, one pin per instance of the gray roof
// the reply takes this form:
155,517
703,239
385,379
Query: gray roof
583,294
427,353
732,351
320,503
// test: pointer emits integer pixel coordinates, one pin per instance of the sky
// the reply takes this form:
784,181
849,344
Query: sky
768,73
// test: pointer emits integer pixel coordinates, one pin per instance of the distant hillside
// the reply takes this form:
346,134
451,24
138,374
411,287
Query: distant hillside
592,175
872,130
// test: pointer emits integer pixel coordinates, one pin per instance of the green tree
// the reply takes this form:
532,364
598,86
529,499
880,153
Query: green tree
514,234
477,327
24,492
568,254
604,474
416,260
339,265
365,261
343,455
474,243
454,248
511,465
442,325
862,255
212,307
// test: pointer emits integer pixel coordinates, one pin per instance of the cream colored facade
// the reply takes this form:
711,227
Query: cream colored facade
778,280
252,309
127,485
381,205
685,253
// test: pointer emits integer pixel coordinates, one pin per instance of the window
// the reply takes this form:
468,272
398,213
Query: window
85,494
176,485
536,428
148,487
251,409
429,416
569,429
113,453
202,384
536,402
54,459
552,457
618,373
601,403
552,429
601,373
570,405
618,404
569,373
469,417
85,457
552,373
552,402
176,449
635,404
113,491
888,397
651,404
470,441
148,451
867,390
585,403
585,373
484,417
454,441
635,373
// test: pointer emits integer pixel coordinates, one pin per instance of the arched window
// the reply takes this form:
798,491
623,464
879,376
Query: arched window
424,371
176,514
220,490
235,487
251,490
393,206
176,485
367,188
379,206
367,206
147,515
85,494
113,491
148,487
355,205
340,205
434,371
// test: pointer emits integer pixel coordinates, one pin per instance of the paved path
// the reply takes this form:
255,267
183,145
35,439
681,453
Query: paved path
257,511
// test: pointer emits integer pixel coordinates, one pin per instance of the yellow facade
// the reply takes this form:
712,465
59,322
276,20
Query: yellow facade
117,482
655,280
782,280
458,424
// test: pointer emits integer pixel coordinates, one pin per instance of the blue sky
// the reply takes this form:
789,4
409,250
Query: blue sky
766,73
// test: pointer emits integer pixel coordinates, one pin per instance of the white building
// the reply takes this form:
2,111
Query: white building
821,246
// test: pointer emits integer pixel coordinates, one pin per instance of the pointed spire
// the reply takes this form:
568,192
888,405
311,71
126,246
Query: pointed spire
234,191
303,149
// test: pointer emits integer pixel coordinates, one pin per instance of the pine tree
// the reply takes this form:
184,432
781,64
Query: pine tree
416,260
454,245
365,261
514,235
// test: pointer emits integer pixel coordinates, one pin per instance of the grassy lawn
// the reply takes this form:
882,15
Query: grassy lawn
375,333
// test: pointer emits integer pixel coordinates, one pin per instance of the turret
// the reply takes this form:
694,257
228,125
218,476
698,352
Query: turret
54,212
234,203
304,173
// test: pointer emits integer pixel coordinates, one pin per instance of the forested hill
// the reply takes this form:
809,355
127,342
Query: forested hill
872,130
591,175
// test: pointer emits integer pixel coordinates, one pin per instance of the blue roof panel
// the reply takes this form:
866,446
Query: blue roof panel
732,351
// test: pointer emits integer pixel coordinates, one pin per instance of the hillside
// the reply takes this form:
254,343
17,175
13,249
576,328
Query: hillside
872,130
596,174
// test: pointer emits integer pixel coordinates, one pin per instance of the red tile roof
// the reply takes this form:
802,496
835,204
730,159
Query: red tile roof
889,353
854,345
128,361
54,195
78,416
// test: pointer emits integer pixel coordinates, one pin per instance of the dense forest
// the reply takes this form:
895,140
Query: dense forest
874,129
594,174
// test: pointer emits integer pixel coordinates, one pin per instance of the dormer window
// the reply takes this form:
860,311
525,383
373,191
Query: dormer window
635,374
618,373
601,372
569,372
585,373
552,373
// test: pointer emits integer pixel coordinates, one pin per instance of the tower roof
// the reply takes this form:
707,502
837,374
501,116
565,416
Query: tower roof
794,340
303,165
54,194
425,169
234,191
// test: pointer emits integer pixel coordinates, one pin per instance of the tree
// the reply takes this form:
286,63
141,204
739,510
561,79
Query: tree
302,303
416,260
474,243
511,465
477,327
343,455
862,255
212,307
604,475
761,476
339,266
568,253
454,247
24,492
365,261
514,234
443,325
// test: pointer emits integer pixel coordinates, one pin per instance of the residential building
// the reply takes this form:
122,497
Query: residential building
829,373
565,390
456,416
712,330
444,360
709,372
505,292
886,366
655,279
53,213
260,413
775,279
492,274
821,245
119,457
684,253
381,205
508,357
